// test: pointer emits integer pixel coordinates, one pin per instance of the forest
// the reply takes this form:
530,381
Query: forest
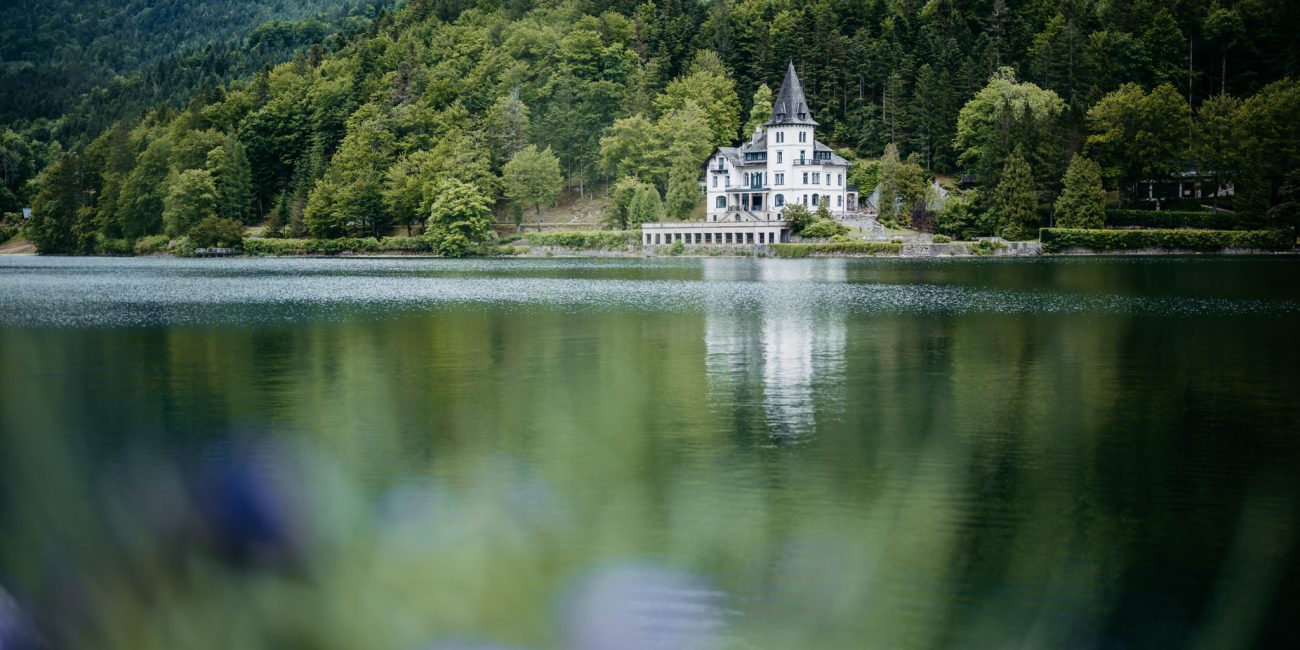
444,114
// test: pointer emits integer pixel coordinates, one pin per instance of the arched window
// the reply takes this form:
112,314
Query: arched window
780,200
815,199
721,202
745,179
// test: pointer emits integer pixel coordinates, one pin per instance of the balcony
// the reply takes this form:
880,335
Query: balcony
748,188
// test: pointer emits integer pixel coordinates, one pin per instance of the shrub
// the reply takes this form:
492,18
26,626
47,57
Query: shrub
797,216
941,239
215,231
592,240
1059,239
152,244
837,248
677,248
1169,219
108,246
987,247
822,228
183,247
338,246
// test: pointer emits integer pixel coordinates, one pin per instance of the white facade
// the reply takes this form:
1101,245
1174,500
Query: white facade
781,164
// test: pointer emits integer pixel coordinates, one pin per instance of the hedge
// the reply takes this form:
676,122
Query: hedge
837,248
1056,240
1175,219
337,246
594,239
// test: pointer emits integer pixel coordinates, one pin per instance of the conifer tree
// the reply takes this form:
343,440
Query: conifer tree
1082,203
759,111
1015,200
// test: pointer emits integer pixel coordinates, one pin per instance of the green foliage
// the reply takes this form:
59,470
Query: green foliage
902,186
152,245
850,248
645,206
683,192
228,164
709,86
1056,240
1082,203
677,248
866,175
338,246
1015,200
823,228
60,218
941,239
957,218
797,215
759,111
459,218
217,232
191,198
508,125
590,240
630,147
533,176
1170,219
1135,134
1004,115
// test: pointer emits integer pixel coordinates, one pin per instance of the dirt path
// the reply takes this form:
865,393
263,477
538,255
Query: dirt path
19,247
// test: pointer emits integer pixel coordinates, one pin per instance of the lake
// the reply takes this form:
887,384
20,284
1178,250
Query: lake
662,453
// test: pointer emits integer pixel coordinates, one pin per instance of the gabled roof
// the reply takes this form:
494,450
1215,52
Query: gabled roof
790,106
836,159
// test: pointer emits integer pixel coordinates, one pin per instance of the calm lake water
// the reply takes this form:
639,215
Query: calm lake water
672,453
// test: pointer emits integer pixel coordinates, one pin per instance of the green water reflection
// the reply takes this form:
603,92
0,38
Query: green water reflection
1065,453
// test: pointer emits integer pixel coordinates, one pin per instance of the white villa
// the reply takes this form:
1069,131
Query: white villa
746,187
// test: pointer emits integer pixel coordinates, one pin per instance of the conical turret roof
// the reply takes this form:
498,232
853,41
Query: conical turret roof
790,106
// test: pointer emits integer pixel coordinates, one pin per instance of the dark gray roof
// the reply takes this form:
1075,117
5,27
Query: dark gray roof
835,158
790,106
730,153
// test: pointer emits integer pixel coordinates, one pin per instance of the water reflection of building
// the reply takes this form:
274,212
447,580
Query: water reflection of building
780,351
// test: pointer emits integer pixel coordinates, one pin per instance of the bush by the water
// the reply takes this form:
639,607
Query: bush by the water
941,239
823,228
337,246
1058,239
1168,219
837,248
218,232
606,240
152,244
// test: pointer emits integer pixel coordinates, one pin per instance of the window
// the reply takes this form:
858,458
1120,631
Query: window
814,199
801,155
805,178
726,182
805,199
828,179
721,202
803,136
780,137
817,178
778,156
839,201
780,199
839,180
715,180
745,178
780,178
